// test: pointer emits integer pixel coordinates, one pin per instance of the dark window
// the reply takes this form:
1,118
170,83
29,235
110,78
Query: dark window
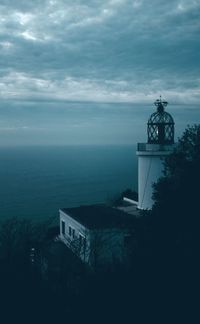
63,227
70,231
73,233
81,241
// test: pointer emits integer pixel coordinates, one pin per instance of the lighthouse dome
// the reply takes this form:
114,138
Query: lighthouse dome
160,126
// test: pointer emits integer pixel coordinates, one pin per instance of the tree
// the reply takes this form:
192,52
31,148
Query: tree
18,237
176,194
118,199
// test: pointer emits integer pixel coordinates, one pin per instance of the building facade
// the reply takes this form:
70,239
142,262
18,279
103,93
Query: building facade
98,234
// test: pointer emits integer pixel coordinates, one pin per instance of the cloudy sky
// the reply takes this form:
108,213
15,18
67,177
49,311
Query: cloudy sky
88,72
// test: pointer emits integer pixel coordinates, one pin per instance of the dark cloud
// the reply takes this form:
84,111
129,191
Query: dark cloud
55,52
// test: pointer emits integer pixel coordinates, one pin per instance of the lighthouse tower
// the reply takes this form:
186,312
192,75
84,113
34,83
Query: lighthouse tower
160,143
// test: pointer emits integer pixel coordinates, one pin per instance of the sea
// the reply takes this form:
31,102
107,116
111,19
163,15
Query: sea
36,181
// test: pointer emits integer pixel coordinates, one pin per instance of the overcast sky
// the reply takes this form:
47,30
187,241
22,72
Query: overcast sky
88,72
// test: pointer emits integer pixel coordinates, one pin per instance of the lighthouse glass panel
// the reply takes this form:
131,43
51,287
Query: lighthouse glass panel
160,126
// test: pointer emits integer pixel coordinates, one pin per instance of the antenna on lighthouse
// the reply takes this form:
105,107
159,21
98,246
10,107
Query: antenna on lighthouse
160,104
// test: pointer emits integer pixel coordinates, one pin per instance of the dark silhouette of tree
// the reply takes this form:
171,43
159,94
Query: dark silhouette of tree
118,199
176,209
128,193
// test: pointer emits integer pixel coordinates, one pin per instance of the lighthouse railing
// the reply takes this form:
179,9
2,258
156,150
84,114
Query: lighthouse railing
141,147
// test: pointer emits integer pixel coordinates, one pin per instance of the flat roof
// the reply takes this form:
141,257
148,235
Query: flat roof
130,209
100,216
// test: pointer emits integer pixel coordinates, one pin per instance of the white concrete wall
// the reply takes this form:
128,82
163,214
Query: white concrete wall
149,171
71,242
150,167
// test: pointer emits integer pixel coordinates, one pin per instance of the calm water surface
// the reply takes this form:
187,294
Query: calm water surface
36,181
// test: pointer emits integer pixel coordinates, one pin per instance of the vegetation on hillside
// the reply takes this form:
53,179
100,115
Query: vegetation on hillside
176,210
118,200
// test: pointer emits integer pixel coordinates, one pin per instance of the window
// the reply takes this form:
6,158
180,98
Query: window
81,241
63,227
71,232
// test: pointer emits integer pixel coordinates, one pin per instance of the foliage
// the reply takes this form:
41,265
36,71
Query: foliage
128,193
176,209
18,236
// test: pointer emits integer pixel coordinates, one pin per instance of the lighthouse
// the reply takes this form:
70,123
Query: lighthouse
160,143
